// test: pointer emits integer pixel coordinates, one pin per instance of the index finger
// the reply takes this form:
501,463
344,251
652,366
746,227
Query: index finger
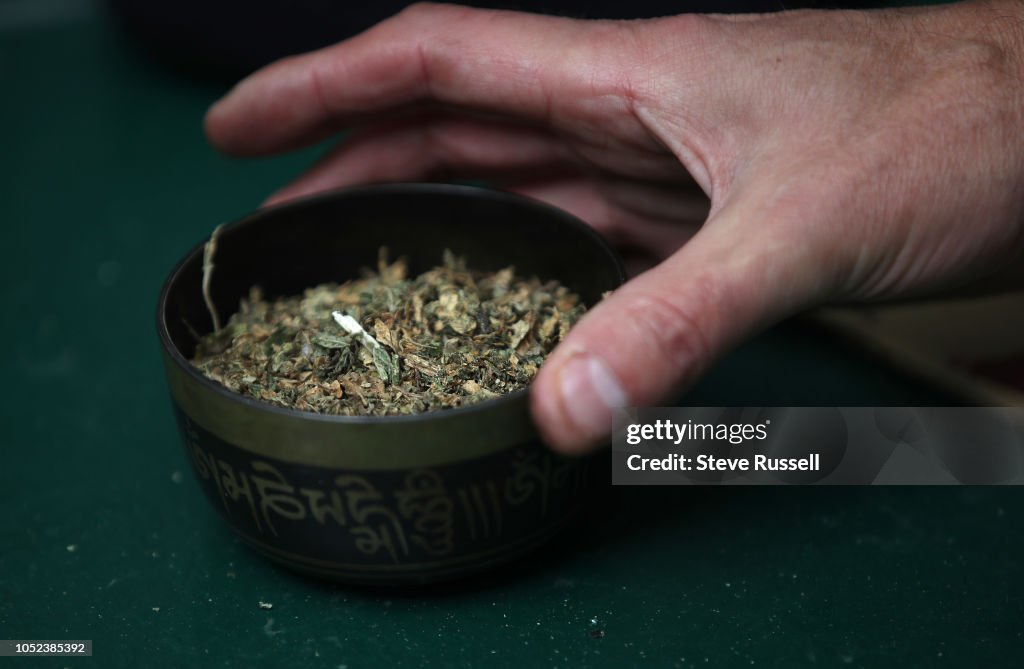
517,64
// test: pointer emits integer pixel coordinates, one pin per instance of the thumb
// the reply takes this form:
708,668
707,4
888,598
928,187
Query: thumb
659,332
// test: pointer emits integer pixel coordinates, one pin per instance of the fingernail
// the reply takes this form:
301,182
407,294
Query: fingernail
590,391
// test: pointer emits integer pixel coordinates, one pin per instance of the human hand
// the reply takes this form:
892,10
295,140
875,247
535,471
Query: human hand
846,156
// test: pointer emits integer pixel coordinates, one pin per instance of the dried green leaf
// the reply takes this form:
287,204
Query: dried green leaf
327,340
447,337
386,364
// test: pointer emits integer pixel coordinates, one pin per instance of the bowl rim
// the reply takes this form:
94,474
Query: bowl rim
171,350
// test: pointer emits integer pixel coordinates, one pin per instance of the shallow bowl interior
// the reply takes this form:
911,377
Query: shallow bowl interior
330,238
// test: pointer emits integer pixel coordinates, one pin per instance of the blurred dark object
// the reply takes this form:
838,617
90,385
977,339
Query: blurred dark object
230,38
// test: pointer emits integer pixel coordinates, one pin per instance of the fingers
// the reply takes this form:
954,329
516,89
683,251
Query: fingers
661,330
426,148
653,219
517,64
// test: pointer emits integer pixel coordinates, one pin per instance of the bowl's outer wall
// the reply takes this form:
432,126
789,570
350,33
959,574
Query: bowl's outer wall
403,525
405,499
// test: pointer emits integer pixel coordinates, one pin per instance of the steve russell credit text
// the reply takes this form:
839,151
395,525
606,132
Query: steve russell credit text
734,433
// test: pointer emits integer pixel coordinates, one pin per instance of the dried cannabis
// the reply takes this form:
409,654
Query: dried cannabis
386,344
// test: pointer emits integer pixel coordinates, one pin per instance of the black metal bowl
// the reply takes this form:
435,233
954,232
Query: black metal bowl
402,499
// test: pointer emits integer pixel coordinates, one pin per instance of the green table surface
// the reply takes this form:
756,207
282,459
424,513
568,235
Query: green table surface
106,180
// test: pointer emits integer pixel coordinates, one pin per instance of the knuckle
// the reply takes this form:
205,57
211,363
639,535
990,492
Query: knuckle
674,331
652,46
975,68
430,12
432,38
975,63
418,10
665,41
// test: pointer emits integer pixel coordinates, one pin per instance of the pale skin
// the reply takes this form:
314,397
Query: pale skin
754,166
